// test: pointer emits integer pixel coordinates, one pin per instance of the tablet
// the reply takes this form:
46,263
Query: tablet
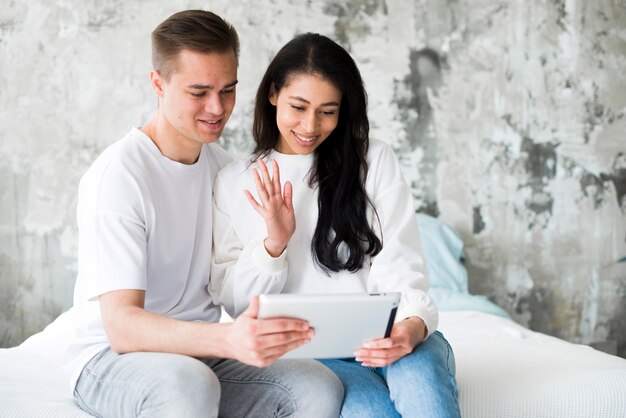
342,322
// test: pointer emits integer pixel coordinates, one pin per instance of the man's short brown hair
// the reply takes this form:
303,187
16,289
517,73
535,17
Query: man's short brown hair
196,30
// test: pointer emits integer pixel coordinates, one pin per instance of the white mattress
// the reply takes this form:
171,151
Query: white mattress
32,386
32,383
503,370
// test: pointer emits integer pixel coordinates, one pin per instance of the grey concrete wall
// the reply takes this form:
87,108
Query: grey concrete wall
508,117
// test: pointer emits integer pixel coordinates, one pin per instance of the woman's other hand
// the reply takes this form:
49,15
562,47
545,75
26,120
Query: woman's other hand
405,336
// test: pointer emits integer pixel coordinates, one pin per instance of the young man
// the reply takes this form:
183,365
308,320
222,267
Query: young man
144,334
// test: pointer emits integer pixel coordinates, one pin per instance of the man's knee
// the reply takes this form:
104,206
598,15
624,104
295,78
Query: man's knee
186,387
319,391
330,389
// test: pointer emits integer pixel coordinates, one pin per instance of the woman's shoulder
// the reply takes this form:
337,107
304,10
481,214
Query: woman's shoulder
384,170
378,145
380,152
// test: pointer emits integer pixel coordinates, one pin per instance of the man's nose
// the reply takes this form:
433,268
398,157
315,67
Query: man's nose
214,105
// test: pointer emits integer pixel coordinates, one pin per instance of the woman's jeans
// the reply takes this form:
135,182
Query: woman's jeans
421,384
170,385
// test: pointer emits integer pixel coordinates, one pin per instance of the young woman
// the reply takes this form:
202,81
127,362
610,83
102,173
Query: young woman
342,222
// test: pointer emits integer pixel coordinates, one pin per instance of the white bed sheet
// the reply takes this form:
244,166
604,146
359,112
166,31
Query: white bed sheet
32,382
32,385
506,370
503,370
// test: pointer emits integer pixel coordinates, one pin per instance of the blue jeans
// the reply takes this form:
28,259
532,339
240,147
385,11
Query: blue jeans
171,385
421,384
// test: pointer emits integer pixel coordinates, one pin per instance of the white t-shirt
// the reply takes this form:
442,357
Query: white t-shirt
144,223
242,268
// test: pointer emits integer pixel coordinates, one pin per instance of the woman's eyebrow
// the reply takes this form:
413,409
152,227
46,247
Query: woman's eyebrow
301,99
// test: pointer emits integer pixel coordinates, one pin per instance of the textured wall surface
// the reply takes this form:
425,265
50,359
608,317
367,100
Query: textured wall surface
508,117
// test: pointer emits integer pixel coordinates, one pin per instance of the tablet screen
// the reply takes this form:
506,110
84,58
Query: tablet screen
342,322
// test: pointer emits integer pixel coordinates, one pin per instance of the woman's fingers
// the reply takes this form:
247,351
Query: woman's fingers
383,343
269,188
380,353
276,178
382,357
254,203
288,195
267,181
380,362
259,186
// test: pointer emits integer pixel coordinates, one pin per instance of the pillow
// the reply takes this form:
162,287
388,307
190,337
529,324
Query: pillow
443,251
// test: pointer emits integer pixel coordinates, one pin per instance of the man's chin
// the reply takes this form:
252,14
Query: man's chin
209,138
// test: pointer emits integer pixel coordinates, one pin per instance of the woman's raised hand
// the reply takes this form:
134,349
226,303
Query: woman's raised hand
275,207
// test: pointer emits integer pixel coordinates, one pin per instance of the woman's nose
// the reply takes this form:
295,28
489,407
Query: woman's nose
309,122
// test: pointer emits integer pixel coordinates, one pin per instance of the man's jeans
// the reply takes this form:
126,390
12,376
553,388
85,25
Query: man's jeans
170,385
421,384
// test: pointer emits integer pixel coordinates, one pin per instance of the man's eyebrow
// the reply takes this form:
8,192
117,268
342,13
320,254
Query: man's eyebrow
209,86
301,99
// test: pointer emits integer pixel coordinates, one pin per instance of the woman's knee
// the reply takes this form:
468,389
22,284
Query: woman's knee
365,392
424,380
440,351
428,373
430,360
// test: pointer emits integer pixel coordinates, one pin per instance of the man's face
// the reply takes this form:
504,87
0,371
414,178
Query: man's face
199,97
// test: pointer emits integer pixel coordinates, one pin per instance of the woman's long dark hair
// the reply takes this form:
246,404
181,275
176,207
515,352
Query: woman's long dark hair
340,165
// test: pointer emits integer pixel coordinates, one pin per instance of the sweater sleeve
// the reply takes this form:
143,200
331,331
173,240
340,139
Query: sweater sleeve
239,271
400,266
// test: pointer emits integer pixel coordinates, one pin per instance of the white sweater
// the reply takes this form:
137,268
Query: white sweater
242,268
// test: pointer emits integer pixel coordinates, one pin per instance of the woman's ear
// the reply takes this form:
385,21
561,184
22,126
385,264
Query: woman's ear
273,96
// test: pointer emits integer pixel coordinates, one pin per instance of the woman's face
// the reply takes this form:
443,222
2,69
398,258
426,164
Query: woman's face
307,111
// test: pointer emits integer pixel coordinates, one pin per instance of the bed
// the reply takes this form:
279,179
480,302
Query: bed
503,369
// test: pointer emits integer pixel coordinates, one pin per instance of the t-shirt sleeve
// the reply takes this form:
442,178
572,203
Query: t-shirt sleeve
400,266
112,233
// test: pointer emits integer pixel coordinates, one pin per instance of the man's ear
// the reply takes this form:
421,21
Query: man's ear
157,82
273,97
